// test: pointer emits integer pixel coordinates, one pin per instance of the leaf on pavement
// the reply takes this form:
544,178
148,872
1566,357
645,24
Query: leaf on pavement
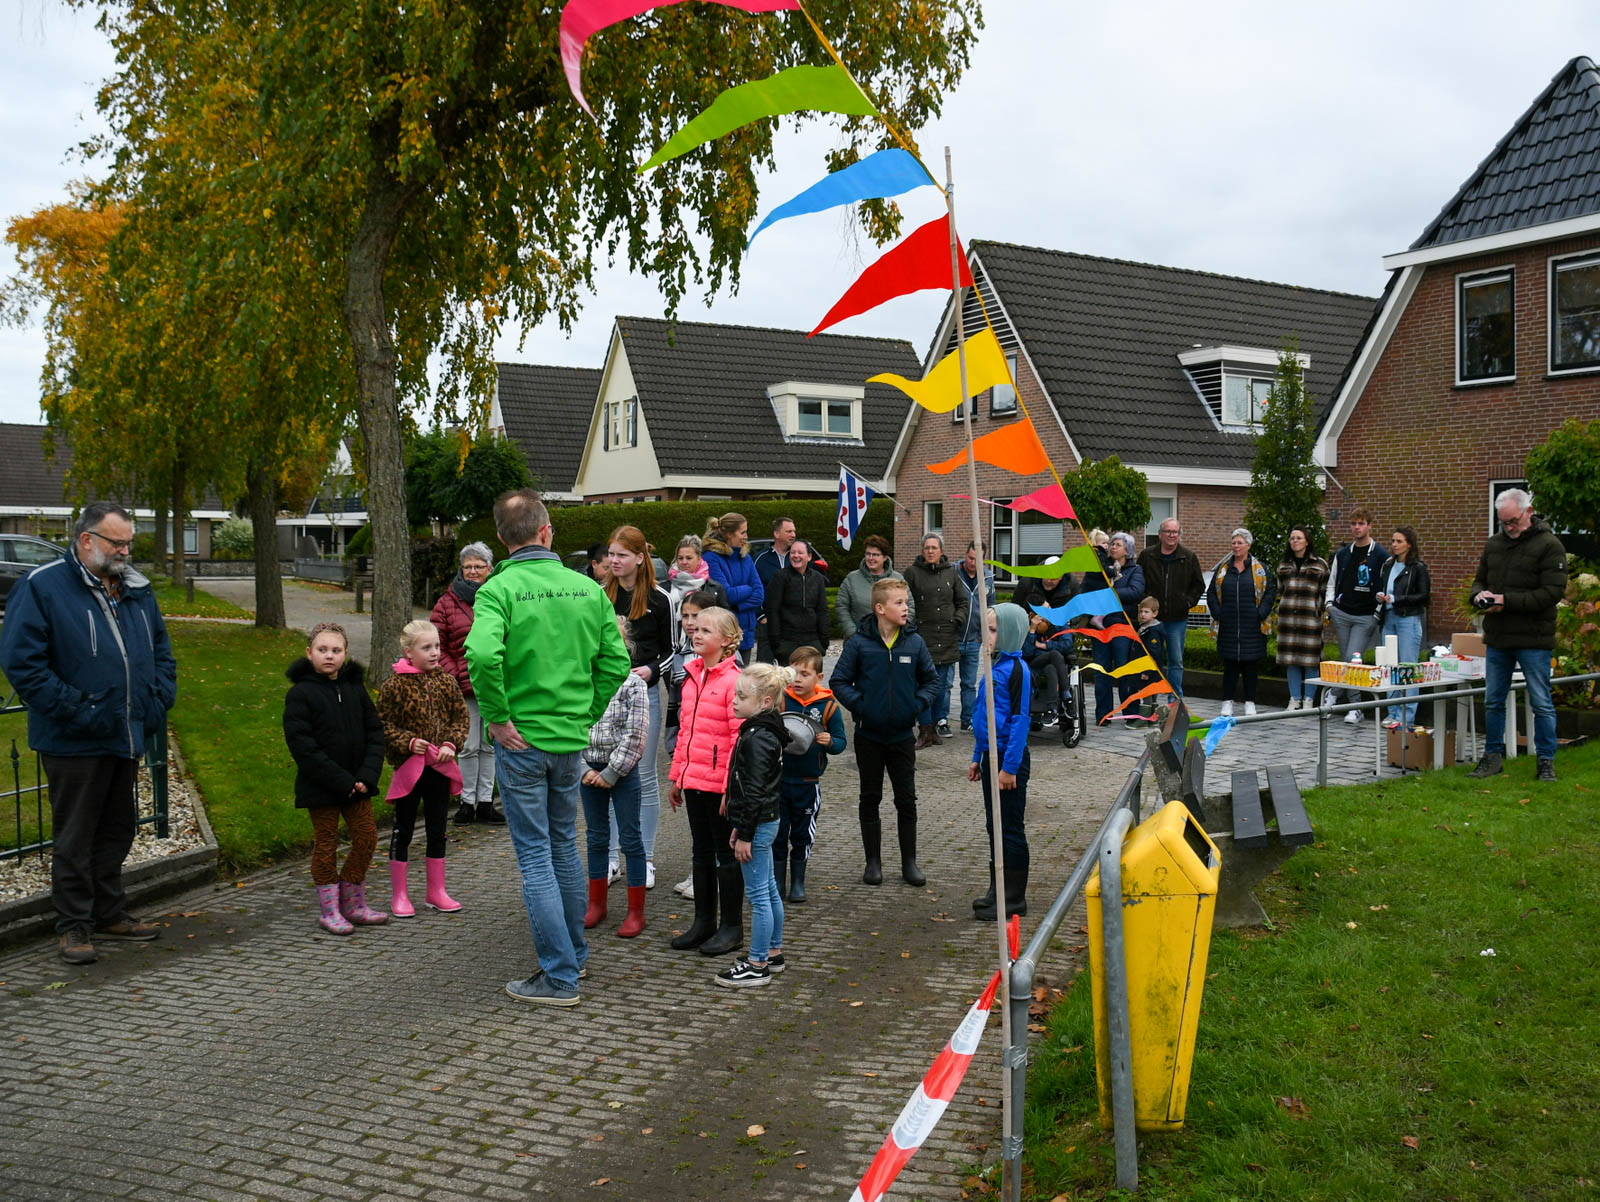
755,1129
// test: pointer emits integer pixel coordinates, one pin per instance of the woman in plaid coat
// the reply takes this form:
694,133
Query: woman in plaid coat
1302,592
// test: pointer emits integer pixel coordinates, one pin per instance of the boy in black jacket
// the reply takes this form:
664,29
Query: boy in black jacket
886,678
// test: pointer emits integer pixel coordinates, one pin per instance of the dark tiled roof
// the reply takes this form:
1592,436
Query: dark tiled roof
1547,168
703,390
1105,336
30,480
547,411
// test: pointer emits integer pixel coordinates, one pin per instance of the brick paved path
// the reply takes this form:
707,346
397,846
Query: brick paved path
249,1055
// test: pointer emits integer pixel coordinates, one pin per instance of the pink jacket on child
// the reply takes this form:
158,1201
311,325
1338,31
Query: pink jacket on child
707,726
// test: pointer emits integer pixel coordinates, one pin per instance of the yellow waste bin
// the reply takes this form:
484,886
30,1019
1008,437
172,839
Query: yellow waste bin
1169,893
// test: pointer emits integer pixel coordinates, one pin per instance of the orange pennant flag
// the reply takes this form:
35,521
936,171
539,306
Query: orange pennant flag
1150,690
1015,447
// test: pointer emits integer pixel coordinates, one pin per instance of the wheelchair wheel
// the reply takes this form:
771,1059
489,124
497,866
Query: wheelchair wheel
1072,722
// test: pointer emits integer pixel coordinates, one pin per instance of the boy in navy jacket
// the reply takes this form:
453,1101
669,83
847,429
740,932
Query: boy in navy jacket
1006,628
886,678
800,792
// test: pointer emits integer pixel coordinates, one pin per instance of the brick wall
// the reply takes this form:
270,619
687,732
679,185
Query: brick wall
1419,450
1208,514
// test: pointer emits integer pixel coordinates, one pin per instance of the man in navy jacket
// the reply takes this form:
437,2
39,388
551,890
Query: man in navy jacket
86,650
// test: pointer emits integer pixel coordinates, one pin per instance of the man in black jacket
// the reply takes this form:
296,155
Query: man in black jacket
1522,575
1173,576
1354,608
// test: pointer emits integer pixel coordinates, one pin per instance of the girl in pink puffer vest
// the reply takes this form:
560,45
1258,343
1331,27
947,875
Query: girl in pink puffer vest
707,729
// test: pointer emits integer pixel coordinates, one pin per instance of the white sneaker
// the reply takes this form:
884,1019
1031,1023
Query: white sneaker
1352,718
612,873
1227,709
1249,709
685,886
1327,699
649,875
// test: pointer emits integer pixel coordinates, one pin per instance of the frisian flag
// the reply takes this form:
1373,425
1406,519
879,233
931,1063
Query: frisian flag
853,498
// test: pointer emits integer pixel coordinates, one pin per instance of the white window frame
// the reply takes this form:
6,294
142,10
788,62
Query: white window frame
1487,275
1002,520
994,392
1554,265
1257,404
191,538
929,524
1496,487
1152,528
788,396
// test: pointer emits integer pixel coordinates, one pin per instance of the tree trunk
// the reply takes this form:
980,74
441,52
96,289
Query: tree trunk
262,488
179,511
160,553
367,320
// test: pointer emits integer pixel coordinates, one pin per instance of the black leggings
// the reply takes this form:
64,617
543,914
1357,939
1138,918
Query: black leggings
708,829
433,795
1232,670
1051,682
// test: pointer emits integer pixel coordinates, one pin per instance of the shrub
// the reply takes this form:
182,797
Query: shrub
1578,636
144,547
234,538
433,566
360,542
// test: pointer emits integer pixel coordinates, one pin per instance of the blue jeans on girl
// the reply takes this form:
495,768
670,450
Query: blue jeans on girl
761,887
1409,632
649,783
598,803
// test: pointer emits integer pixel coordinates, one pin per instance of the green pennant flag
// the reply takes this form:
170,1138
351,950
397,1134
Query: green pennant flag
815,89
1079,559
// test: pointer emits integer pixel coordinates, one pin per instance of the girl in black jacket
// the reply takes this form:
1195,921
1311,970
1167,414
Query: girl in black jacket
336,739
755,770
1403,591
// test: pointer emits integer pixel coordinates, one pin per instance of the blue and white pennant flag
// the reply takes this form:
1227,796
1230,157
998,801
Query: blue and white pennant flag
853,498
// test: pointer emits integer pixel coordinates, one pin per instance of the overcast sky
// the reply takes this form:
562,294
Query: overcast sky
1295,143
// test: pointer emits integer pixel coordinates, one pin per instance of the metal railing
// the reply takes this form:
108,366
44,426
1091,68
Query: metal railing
1104,851
155,758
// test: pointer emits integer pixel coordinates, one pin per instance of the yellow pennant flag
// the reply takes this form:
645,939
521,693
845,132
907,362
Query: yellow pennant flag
940,390
1132,668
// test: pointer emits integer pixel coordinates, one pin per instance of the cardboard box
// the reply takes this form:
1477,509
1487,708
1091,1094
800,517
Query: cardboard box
1419,749
1468,644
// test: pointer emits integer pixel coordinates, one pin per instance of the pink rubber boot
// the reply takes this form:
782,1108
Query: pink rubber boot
353,905
437,898
399,903
331,920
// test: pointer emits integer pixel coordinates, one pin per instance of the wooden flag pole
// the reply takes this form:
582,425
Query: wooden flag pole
986,668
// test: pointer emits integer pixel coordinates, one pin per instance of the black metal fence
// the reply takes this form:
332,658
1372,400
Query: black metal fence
27,798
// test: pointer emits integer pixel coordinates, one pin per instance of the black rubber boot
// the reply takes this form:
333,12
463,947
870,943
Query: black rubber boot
908,849
872,844
705,910
730,935
797,879
487,813
1016,892
465,814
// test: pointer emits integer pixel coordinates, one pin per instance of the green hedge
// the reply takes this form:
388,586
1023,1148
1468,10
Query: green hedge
665,522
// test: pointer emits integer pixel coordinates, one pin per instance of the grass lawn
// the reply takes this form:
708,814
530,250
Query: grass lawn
229,726
174,602
1368,1047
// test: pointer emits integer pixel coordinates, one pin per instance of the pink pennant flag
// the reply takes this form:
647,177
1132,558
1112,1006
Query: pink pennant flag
1050,500
581,18
920,261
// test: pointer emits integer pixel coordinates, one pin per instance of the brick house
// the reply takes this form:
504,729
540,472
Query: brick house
1486,338
700,410
546,411
1165,368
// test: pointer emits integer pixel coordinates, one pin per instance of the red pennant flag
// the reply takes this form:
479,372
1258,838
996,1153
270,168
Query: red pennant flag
921,261
1120,631
1015,447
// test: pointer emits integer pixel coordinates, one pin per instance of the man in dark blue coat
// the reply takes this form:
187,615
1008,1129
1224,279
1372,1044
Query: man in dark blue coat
886,678
86,650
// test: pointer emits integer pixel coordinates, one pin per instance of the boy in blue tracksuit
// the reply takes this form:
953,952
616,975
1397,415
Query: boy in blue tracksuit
800,790
886,678
1007,627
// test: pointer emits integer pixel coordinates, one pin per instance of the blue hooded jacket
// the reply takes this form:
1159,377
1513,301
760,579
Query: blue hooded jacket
96,674
1011,725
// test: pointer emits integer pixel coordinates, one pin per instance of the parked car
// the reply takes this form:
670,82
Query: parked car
19,555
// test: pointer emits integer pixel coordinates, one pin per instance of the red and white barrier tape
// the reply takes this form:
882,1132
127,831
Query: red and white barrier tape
927,1105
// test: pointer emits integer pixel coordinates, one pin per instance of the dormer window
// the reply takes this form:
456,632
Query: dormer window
820,412
1233,382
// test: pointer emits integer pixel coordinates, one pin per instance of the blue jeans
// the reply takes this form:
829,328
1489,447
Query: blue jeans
761,887
539,792
649,817
1535,665
940,709
1409,632
1176,632
598,832
969,682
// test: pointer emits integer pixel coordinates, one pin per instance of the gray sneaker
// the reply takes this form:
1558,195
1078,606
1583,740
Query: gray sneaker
944,728
1547,770
1490,765
541,991
76,947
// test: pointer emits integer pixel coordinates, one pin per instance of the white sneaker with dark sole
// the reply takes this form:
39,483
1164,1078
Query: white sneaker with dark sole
1353,718
685,886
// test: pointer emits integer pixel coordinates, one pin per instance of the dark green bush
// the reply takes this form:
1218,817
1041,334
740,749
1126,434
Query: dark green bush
360,542
433,567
